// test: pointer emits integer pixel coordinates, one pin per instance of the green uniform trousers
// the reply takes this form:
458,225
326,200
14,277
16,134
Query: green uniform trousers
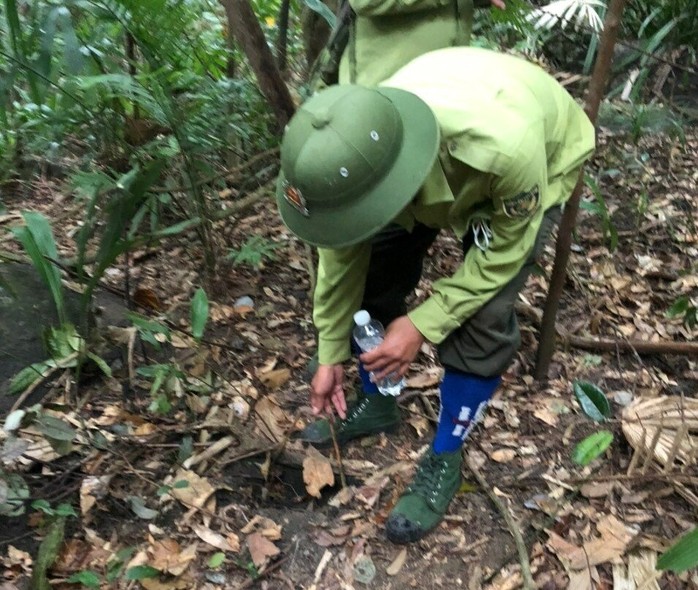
485,344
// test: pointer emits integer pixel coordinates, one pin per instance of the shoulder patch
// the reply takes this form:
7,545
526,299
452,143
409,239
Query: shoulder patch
521,205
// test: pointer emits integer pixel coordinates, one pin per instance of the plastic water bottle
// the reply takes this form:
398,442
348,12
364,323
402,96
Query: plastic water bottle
368,334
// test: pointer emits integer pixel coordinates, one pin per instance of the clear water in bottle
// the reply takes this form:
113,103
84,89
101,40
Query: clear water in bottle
368,334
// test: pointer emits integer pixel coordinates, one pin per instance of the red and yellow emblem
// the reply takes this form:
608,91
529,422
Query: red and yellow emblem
294,197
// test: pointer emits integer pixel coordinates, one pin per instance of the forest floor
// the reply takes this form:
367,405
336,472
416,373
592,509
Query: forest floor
216,493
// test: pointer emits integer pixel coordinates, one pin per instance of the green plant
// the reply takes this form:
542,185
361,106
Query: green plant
595,405
37,239
166,383
253,252
682,555
62,509
87,578
66,349
199,313
686,308
599,208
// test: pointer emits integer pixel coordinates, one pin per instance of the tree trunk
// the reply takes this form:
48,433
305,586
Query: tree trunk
282,40
599,79
243,24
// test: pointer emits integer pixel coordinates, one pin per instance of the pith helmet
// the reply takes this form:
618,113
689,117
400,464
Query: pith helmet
351,159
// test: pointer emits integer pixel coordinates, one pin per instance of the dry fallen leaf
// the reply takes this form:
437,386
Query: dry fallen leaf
615,537
417,421
317,472
369,494
167,556
92,488
264,526
503,455
229,543
18,557
342,497
271,419
325,538
425,379
181,583
397,564
261,549
196,493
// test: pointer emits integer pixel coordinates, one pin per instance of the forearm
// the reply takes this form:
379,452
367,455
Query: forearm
340,288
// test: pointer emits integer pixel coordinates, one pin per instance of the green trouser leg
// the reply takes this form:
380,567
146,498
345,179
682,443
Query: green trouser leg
371,414
423,504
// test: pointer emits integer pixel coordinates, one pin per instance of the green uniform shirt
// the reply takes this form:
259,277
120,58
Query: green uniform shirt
512,141
387,34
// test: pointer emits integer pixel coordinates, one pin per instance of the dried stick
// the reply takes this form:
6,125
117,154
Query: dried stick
528,583
342,477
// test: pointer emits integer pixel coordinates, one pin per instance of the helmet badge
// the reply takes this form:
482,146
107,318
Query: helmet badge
295,198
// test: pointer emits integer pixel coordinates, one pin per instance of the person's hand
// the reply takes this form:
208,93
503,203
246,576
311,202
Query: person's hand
499,4
327,390
398,349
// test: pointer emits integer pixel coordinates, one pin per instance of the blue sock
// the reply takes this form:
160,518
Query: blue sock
464,397
368,386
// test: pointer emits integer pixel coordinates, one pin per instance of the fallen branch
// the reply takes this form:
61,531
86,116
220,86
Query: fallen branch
606,345
638,346
524,561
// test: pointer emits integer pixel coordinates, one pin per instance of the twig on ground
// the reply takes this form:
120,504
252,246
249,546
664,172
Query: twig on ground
321,568
342,477
528,583
427,406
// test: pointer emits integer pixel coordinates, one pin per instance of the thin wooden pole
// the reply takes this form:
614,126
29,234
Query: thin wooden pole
599,79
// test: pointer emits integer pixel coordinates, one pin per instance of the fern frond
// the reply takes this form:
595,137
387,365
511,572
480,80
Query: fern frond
563,12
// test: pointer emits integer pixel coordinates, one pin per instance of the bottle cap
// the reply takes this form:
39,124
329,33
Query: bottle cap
362,317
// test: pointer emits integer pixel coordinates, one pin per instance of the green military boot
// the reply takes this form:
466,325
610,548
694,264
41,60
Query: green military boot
423,504
371,414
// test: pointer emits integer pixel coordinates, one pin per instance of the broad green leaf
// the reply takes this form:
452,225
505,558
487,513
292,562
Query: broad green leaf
679,307
13,493
64,509
43,506
64,342
592,400
55,428
592,447
143,323
216,560
180,484
139,572
28,376
140,509
199,313
682,555
87,578
175,229
100,362
37,239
